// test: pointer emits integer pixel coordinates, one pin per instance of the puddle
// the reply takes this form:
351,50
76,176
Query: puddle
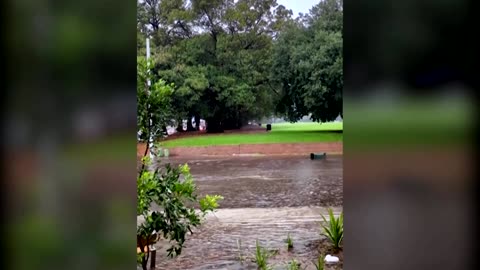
270,182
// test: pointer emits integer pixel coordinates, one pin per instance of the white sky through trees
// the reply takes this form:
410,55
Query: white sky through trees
298,6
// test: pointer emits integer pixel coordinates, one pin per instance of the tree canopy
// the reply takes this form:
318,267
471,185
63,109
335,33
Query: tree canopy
234,61
308,64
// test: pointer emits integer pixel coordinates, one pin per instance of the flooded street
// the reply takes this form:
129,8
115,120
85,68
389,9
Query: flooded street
266,198
269,181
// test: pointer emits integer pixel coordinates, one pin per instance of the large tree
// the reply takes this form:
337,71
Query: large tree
218,54
308,64
232,61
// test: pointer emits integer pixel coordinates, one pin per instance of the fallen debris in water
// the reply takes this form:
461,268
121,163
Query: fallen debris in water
318,156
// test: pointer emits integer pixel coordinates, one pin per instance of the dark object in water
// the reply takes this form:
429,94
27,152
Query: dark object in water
318,156
269,127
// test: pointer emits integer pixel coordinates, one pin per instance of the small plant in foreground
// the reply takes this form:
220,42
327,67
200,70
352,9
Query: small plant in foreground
293,265
289,242
261,257
239,246
334,230
320,264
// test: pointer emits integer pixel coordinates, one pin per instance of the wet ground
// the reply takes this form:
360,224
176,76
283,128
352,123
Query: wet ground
269,181
266,198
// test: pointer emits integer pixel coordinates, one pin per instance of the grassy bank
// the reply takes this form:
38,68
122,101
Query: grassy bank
281,133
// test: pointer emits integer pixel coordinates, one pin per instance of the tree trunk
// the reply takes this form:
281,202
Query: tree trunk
144,262
189,124
197,122
233,122
180,126
214,125
145,252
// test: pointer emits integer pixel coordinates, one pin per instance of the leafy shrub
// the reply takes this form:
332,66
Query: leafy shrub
169,189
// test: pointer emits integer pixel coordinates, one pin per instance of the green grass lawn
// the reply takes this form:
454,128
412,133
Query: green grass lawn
306,126
281,133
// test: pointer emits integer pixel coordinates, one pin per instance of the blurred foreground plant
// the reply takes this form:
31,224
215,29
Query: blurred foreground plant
169,190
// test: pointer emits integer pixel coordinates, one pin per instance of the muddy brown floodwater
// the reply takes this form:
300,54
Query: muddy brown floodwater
269,181
266,198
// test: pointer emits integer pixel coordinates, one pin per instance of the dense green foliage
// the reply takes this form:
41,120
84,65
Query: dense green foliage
233,61
171,189
154,102
308,64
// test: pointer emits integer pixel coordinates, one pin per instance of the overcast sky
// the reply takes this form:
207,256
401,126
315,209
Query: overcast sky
298,6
